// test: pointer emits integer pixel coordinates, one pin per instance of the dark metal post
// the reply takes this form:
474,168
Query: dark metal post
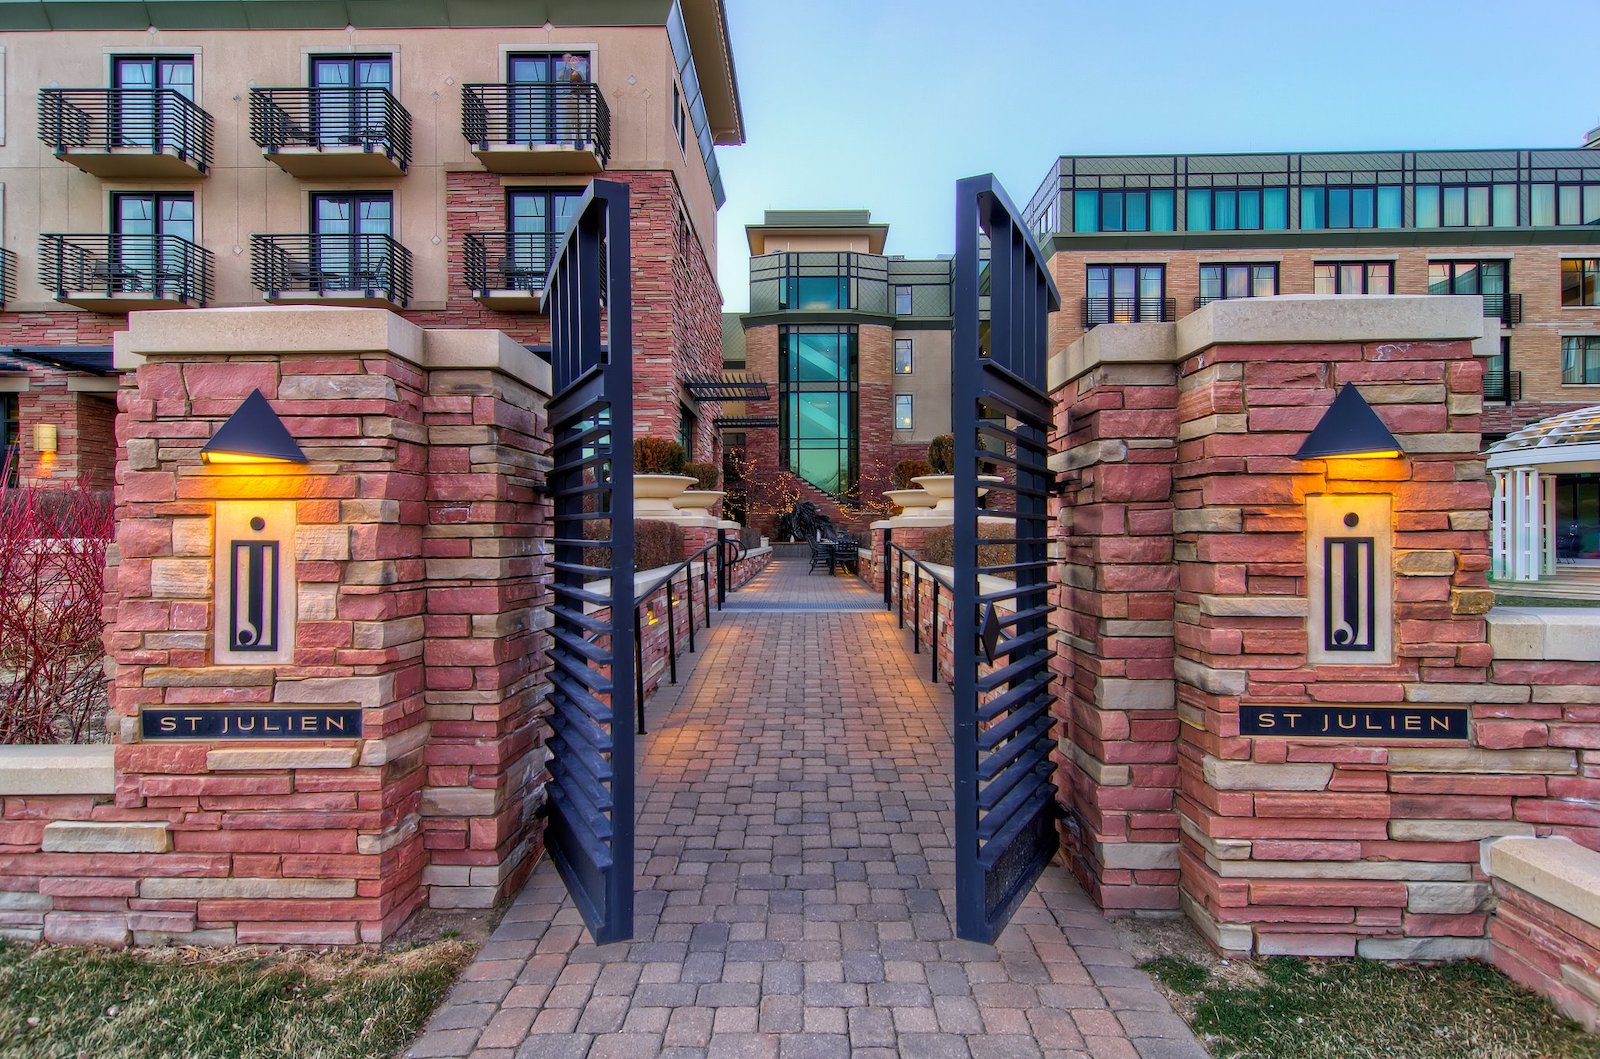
705,583
688,599
722,567
935,651
899,583
672,635
638,669
916,609
888,535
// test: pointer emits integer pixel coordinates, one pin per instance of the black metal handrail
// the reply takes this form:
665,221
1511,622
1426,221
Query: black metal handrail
1502,385
157,120
509,260
366,117
1128,310
573,115
686,567
896,555
8,277
163,266
373,264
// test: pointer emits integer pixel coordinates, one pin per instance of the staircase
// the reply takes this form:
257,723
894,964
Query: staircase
829,506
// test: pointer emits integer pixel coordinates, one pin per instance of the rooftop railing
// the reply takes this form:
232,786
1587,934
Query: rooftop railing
1128,310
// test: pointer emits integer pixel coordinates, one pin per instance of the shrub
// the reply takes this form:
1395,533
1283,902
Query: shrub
703,472
53,545
906,470
942,454
658,456
938,545
656,544
750,536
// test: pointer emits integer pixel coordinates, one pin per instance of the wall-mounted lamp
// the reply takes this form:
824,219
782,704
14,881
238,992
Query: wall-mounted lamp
253,434
45,438
1351,429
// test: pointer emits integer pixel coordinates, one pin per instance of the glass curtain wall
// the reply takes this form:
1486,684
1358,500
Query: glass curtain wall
818,376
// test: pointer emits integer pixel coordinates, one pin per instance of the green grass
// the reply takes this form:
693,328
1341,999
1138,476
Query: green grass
192,1004
1361,1009
1506,599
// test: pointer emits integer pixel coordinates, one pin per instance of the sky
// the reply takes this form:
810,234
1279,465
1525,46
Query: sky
884,104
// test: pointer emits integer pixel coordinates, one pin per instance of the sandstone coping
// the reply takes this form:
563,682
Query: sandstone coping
76,769
1554,634
1555,870
283,329
1279,320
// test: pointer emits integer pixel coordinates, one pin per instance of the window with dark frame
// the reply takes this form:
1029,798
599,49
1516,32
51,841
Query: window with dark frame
1129,210
1580,360
1366,206
1221,282
1236,209
1353,277
1124,294
1580,281
818,382
902,411
1465,205
902,356
1565,205
687,424
902,301
10,439
680,118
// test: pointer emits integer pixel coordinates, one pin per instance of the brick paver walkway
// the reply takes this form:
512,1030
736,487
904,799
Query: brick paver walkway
796,883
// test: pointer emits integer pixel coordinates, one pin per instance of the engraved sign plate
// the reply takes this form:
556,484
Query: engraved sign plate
255,582
1369,723
250,722
1350,578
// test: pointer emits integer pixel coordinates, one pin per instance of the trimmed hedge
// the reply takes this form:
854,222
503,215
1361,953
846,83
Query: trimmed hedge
703,472
906,470
655,543
938,545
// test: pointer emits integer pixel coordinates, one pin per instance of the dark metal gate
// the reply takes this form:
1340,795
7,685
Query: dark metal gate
1000,414
589,293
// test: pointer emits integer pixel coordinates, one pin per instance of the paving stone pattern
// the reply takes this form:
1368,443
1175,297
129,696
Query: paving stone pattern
795,891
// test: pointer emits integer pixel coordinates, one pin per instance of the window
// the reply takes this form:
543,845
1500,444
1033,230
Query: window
1125,294
902,356
902,301
1350,207
1230,209
538,109
1465,205
154,233
1236,281
1123,211
817,411
686,429
536,218
1353,277
815,292
902,411
1565,204
1579,281
680,118
352,234
10,439
1488,278
349,106
144,115
1497,379
1580,360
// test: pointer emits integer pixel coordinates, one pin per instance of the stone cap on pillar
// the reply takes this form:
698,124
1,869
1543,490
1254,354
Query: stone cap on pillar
1284,319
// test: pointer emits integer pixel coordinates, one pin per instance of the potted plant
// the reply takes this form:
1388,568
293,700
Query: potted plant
906,494
705,493
657,477
942,482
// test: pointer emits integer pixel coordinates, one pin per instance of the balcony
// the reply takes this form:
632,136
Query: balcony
331,133
554,128
1502,385
1128,311
120,273
8,277
138,133
1507,307
371,270
507,270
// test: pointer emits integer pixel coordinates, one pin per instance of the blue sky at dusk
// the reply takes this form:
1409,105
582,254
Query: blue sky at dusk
883,104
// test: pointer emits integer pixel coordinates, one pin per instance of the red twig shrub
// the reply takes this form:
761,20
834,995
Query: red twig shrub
52,586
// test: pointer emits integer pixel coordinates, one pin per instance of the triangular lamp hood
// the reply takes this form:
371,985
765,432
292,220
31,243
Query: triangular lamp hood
253,434
1349,428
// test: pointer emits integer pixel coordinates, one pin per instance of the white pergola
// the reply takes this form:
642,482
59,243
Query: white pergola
1523,509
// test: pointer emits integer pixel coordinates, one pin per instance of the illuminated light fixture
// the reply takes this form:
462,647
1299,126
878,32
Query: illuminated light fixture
1349,429
45,437
253,434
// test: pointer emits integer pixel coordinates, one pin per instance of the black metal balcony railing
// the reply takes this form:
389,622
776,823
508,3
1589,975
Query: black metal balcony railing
1502,385
573,115
1508,307
8,277
508,261
163,267
1128,310
157,120
374,265
369,118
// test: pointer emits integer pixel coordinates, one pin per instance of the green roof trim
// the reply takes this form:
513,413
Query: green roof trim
324,14
1319,239
817,219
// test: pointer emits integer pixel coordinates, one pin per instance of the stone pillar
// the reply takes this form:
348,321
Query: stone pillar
407,660
1117,764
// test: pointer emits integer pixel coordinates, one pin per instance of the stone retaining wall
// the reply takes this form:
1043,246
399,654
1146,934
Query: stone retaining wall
1545,928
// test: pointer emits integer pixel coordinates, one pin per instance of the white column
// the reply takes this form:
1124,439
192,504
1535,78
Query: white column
1549,523
1499,551
1527,549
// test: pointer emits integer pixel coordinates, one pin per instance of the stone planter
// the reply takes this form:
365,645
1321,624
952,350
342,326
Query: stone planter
909,499
942,487
653,494
697,500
